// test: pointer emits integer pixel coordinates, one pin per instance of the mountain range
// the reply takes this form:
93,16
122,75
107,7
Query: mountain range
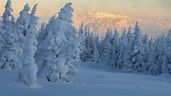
99,22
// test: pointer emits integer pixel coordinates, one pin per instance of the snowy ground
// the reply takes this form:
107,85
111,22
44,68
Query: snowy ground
90,81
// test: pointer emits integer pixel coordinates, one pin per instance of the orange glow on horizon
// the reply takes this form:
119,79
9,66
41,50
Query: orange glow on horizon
90,11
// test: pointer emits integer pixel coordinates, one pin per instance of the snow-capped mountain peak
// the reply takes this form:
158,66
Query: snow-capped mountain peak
100,21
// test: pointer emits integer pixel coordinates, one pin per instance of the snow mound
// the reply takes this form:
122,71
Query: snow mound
90,81
35,86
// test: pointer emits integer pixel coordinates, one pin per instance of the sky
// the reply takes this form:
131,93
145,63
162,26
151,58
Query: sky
134,8
160,9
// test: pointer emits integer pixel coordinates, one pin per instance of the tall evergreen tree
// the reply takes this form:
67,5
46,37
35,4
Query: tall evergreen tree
22,22
151,61
61,47
155,68
87,52
105,54
128,64
7,16
22,25
145,41
168,40
9,41
96,56
28,68
114,48
39,55
162,55
122,50
44,32
138,54
82,36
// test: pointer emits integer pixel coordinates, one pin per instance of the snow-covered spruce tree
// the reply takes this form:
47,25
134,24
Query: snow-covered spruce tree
39,55
89,45
22,25
9,38
127,63
154,68
156,56
123,54
146,46
168,40
5,20
22,22
82,36
94,45
130,50
96,55
162,55
61,47
121,50
114,49
44,31
9,50
105,53
28,68
138,54
151,55
87,51
8,19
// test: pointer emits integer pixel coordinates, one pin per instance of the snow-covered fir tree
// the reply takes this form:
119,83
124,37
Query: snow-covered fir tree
28,68
128,64
82,36
162,55
9,41
7,20
123,59
22,22
96,55
151,55
146,45
168,41
89,45
39,55
114,48
138,54
9,50
7,17
121,49
87,48
105,53
129,50
158,57
45,29
61,47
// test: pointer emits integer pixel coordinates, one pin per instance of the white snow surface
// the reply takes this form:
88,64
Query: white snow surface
90,81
